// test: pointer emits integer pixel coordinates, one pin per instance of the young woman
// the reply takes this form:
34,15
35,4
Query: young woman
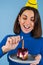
28,25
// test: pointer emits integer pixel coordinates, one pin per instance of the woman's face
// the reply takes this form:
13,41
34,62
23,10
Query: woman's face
26,21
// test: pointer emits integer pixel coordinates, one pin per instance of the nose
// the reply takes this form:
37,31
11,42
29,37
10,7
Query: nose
27,22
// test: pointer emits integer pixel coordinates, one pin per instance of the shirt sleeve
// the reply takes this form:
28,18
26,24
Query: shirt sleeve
41,62
1,44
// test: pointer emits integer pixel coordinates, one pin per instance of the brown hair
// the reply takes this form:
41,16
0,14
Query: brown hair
37,31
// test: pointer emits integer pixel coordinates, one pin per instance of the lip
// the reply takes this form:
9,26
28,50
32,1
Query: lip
25,27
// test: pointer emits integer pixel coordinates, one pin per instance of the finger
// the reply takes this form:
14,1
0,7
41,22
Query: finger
38,57
32,64
15,39
35,63
10,40
18,39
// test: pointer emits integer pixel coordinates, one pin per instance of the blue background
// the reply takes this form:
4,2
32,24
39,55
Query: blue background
8,13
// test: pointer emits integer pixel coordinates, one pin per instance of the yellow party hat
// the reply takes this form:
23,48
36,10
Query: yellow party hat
32,3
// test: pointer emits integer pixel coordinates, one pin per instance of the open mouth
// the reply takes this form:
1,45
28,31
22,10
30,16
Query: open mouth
26,27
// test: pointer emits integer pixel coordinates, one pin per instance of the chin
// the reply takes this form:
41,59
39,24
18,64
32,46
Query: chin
26,31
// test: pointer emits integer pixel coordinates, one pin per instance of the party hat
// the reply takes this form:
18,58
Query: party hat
32,3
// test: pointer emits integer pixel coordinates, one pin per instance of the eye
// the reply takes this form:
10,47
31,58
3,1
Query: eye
24,18
32,19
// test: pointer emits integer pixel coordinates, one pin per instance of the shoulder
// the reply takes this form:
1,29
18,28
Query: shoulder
6,36
9,35
3,41
38,40
41,41
41,38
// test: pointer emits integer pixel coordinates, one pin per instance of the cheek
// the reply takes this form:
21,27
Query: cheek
22,22
32,24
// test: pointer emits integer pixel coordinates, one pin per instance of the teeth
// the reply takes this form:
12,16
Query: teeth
27,27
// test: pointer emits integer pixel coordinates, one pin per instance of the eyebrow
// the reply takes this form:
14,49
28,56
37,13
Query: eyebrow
26,16
32,17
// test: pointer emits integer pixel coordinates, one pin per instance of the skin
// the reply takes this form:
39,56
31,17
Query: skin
26,21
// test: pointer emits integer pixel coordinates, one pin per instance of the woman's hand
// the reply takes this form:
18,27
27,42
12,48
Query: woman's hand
12,43
37,58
